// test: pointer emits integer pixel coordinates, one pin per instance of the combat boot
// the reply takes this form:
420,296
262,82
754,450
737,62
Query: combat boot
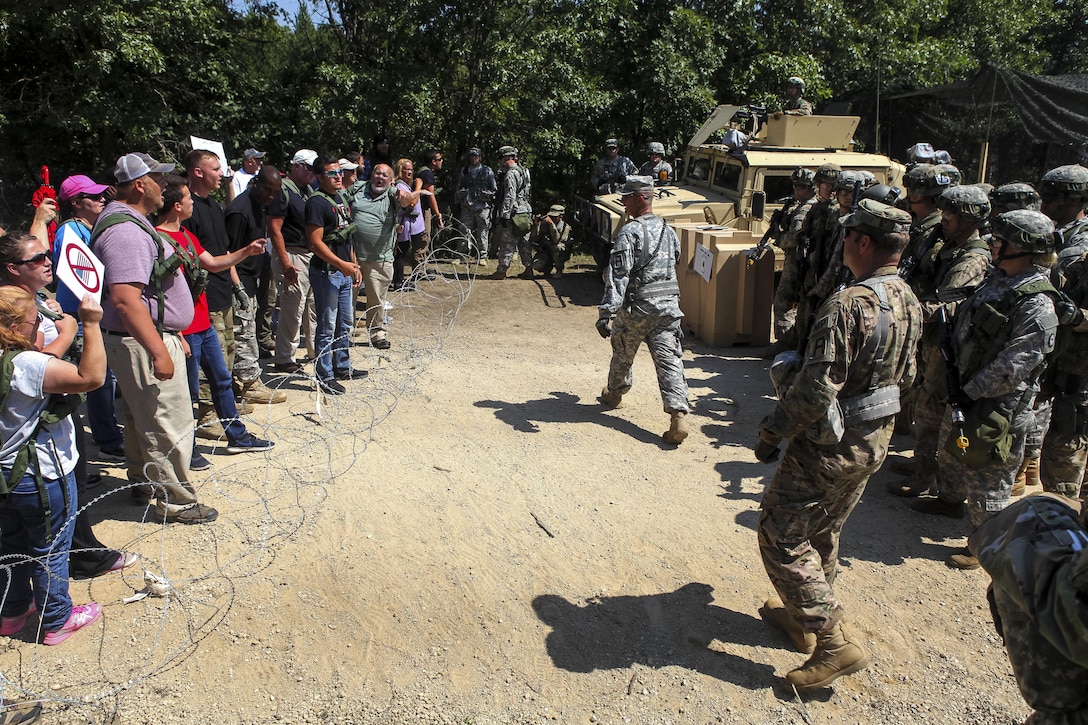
612,400
258,393
678,430
527,273
963,559
499,273
834,657
939,507
911,487
774,612
1027,475
208,426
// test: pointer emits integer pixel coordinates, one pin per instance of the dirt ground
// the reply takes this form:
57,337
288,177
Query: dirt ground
499,548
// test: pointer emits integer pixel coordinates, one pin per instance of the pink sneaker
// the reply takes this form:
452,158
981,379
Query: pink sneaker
82,615
14,625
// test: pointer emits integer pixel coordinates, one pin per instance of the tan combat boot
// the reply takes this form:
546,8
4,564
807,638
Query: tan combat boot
833,658
774,612
678,430
258,393
612,400
208,426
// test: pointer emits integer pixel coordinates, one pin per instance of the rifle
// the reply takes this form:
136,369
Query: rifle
952,377
773,234
908,266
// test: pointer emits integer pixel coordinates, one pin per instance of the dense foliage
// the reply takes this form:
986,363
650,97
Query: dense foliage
85,81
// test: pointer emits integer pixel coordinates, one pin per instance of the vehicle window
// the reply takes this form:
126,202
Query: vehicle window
727,176
777,187
700,169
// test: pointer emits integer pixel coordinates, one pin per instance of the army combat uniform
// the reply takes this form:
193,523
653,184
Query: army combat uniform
860,354
552,237
642,292
517,186
609,174
475,192
1036,552
788,293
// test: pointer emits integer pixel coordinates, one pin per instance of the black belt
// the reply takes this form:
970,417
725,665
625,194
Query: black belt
125,334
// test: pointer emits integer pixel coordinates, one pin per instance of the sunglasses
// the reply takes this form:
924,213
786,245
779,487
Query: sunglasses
334,174
35,260
90,197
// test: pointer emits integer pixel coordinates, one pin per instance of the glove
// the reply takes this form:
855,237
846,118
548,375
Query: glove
602,325
766,449
241,298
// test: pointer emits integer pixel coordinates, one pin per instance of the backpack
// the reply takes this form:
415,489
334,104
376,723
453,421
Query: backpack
163,268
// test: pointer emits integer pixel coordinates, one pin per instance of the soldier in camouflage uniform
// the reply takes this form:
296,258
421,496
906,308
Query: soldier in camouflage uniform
795,105
837,415
1001,338
924,184
609,174
552,236
1036,552
960,265
787,293
657,167
642,293
475,191
515,216
1064,451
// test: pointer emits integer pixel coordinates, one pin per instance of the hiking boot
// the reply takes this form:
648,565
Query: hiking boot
963,559
382,344
678,429
82,616
258,393
612,400
15,624
833,658
910,487
208,426
196,513
774,612
939,507
249,443
499,273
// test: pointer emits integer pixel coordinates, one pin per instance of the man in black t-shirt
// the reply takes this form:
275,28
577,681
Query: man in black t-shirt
291,263
333,274
245,221
425,181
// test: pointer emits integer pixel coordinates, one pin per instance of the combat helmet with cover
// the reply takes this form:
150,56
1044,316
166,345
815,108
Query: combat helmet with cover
930,181
1026,230
1070,180
656,147
968,201
827,173
803,177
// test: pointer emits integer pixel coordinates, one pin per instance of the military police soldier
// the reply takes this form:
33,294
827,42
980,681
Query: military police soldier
551,235
475,191
1001,338
837,415
642,294
657,167
611,171
1036,552
515,216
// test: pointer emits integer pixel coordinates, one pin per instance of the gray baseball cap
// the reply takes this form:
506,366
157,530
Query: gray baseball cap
132,166
252,154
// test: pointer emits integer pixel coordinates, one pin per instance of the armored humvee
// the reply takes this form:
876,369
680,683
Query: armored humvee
739,188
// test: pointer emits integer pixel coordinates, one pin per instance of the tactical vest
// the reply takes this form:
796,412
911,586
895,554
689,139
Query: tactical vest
638,289
162,269
58,407
879,401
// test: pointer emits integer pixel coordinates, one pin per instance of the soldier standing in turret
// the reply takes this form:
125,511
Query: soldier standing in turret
612,170
657,167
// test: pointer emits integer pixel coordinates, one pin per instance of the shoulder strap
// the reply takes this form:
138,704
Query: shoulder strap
879,341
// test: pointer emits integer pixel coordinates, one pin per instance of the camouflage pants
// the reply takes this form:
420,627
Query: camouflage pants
477,228
928,413
1037,427
551,256
1051,683
509,242
662,336
986,489
802,515
786,295
1064,450
246,353
223,324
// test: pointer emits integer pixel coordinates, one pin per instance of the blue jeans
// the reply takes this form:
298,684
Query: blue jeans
100,414
207,355
22,534
332,304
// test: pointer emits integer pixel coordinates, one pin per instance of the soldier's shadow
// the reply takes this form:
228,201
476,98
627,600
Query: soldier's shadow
680,628
564,408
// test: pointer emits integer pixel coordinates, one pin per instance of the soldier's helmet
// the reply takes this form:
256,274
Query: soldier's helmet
1026,230
969,201
795,81
827,172
508,151
848,180
656,147
803,177
951,172
1071,180
921,153
883,193
1016,195
930,181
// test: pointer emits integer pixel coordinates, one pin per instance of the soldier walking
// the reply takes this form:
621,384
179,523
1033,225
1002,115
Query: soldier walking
642,294
838,416
515,216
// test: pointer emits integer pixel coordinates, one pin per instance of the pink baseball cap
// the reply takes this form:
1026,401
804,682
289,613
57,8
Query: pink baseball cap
79,184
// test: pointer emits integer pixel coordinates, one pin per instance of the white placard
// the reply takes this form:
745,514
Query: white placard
216,147
78,269
703,262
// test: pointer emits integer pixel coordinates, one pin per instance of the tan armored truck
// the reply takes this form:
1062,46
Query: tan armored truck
725,197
